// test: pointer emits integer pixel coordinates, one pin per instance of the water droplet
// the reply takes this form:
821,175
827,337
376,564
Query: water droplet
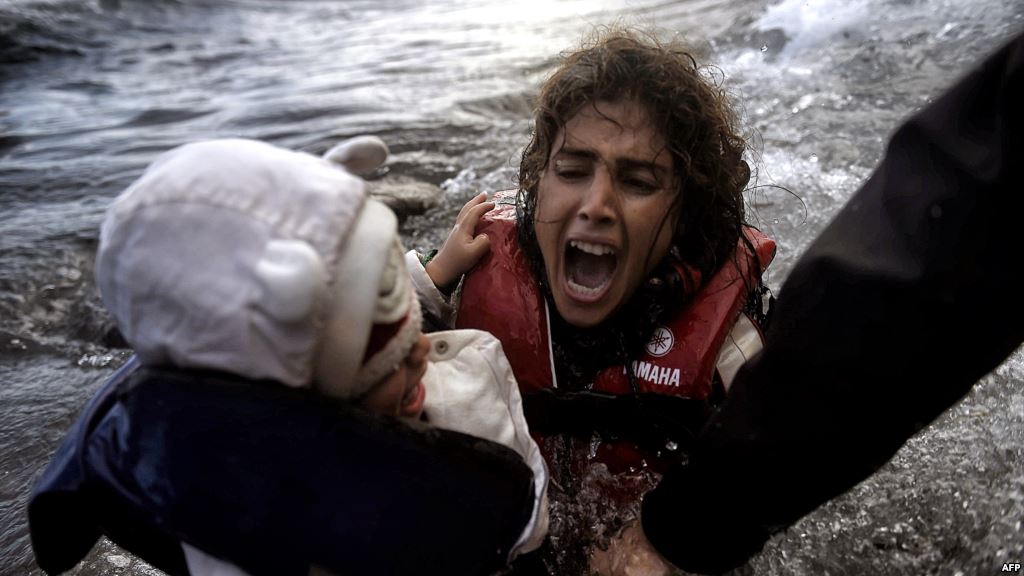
764,47
795,109
775,221
69,273
671,446
814,157
95,360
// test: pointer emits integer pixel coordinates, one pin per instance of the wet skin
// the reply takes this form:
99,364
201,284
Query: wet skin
603,205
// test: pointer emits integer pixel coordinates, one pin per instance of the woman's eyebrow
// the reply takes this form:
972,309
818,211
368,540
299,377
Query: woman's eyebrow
621,164
631,164
580,153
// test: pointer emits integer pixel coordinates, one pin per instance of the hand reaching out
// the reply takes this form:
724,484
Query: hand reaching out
463,248
630,554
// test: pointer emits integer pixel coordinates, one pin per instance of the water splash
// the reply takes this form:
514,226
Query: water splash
810,24
96,360
589,503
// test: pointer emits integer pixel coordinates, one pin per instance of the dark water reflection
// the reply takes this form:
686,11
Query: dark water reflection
91,91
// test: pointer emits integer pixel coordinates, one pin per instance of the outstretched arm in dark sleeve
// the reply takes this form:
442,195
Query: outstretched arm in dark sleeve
904,301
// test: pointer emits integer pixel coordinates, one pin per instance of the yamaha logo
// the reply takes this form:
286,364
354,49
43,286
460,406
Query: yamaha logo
661,342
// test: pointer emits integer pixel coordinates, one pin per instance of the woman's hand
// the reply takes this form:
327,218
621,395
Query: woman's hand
462,250
629,554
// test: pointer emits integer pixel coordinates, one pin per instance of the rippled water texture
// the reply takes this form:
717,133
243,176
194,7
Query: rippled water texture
91,91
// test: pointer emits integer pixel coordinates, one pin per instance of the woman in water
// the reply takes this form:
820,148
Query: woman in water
621,277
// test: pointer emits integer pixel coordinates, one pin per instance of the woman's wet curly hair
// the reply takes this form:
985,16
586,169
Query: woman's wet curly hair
683,103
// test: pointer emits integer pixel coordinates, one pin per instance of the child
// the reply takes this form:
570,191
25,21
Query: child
248,259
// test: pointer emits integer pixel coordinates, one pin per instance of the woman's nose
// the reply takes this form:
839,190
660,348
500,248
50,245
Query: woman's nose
599,199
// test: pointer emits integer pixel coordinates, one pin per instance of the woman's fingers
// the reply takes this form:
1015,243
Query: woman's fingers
629,554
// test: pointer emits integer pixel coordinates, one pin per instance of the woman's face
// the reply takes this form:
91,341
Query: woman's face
603,216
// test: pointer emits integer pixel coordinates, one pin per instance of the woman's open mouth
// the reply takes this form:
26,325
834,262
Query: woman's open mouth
589,269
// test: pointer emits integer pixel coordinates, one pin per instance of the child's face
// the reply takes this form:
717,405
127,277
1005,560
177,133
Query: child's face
402,394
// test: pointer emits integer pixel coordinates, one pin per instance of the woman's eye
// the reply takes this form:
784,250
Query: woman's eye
642,186
570,173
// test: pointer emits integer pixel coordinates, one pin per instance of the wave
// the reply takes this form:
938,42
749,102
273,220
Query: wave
156,116
33,29
37,30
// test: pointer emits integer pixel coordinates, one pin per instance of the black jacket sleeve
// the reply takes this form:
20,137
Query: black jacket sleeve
905,300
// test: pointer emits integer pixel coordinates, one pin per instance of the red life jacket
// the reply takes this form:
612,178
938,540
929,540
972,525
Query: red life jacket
675,373
501,296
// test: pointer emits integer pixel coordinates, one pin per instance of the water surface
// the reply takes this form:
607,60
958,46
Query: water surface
91,91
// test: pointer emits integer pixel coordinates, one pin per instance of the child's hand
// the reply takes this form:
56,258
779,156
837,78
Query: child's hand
462,249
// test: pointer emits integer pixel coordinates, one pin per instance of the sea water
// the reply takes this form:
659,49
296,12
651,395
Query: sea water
92,90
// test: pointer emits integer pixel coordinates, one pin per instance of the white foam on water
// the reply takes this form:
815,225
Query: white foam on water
812,23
